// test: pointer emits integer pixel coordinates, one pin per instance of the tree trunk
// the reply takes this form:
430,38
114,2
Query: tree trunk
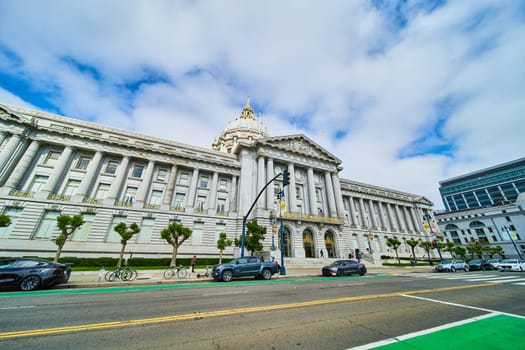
414,253
397,257
173,262
122,250
59,251
220,257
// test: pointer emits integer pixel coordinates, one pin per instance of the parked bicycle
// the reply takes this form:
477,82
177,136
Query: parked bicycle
178,271
123,274
209,269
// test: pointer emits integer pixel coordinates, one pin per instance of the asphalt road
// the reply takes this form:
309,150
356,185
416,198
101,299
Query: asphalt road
313,313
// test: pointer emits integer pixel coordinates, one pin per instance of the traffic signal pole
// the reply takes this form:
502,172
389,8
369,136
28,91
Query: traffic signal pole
245,217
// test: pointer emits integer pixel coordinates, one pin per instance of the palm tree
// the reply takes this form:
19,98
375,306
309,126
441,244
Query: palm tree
175,234
222,243
394,243
125,234
67,225
413,244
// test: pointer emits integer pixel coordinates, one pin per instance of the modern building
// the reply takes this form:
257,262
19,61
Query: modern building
52,165
486,205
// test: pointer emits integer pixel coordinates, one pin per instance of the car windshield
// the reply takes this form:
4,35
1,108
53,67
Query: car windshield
475,261
446,261
510,261
492,260
337,263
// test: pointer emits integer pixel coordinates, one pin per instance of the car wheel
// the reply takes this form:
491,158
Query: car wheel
227,276
339,273
482,268
452,269
267,274
30,283
361,272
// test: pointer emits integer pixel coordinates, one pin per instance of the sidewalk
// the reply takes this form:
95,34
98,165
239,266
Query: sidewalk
92,279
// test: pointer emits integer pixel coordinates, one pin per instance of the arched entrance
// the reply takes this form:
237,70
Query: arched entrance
308,243
287,246
330,244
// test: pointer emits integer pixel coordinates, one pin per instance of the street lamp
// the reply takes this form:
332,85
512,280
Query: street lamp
428,219
507,229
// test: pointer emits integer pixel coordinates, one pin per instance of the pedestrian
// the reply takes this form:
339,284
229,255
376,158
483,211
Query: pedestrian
321,252
193,261
358,256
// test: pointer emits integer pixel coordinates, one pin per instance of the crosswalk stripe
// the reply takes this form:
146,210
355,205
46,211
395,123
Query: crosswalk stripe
470,277
499,279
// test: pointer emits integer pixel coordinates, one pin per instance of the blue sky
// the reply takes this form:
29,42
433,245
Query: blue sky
405,93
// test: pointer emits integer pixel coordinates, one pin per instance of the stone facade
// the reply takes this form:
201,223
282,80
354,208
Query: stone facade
52,165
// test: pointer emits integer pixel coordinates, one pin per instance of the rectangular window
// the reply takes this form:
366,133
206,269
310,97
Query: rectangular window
129,196
179,200
82,163
218,229
47,225
38,183
196,235
223,184
221,205
112,235
102,191
138,169
146,229
71,187
81,234
14,213
111,167
203,183
156,197
162,174
51,158
184,178
201,203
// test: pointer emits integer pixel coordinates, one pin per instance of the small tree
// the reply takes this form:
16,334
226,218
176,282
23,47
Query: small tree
67,225
413,244
428,247
449,247
5,220
497,250
222,243
254,236
125,233
475,249
460,251
175,234
394,243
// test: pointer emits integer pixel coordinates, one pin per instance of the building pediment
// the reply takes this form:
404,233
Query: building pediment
299,144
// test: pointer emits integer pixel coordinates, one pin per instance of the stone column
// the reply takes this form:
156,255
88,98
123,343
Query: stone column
168,197
193,188
233,194
362,212
142,192
9,149
371,212
58,172
382,218
311,191
270,191
338,196
212,200
352,211
414,220
400,219
330,193
408,219
23,165
89,177
120,176
3,135
391,216
261,177
292,200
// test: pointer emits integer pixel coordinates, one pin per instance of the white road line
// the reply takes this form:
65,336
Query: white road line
498,279
226,293
520,284
16,307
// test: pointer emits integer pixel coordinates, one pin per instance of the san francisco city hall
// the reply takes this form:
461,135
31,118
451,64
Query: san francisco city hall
52,165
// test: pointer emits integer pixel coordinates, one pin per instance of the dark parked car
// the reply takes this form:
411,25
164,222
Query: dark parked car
30,274
480,265
344,268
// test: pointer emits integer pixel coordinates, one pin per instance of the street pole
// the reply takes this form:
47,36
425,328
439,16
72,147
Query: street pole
282,269
428,218
507,229
245,217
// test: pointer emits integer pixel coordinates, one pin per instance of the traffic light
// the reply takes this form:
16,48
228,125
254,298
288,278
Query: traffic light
286,177
434,243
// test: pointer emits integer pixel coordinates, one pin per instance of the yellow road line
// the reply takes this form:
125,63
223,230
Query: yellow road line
106,325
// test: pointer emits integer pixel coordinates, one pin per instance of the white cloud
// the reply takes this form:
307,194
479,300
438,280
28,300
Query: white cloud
344,67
